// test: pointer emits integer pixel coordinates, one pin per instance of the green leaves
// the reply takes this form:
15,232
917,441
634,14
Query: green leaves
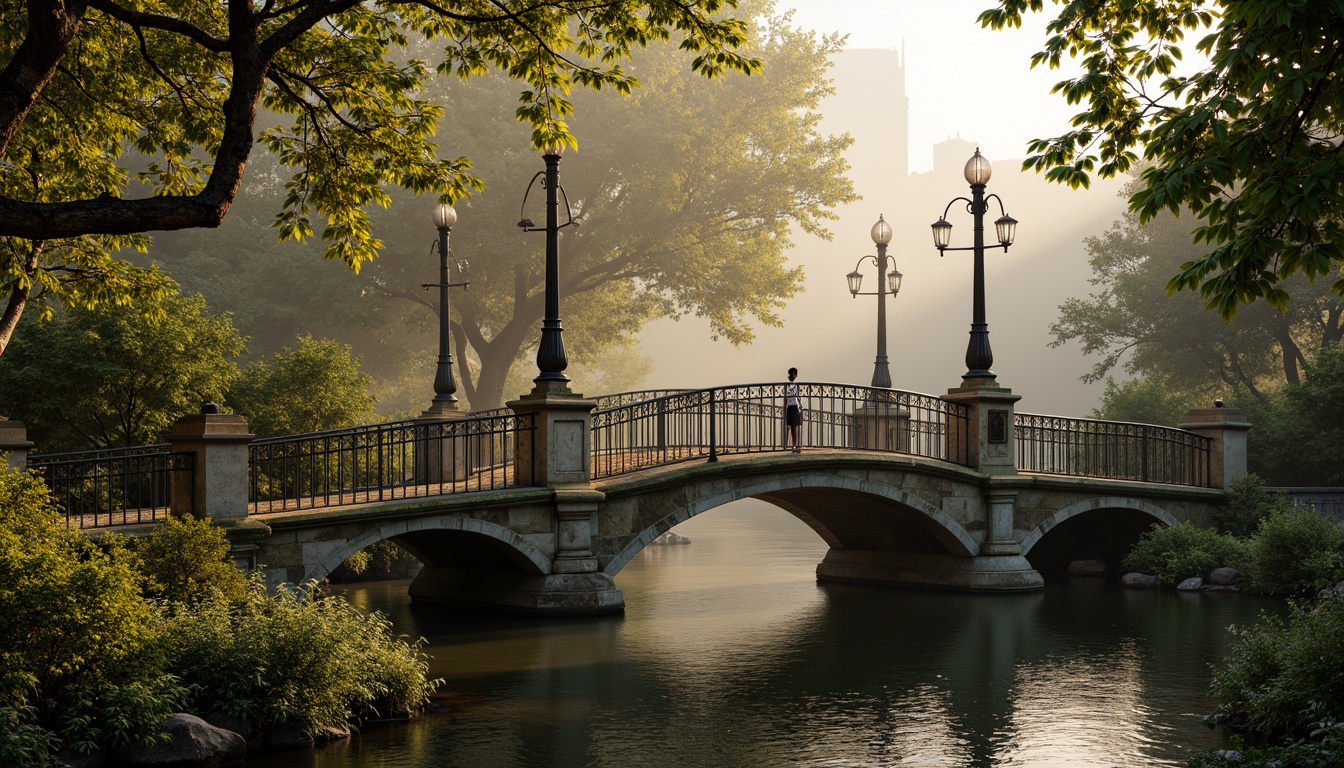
1249,143
130,117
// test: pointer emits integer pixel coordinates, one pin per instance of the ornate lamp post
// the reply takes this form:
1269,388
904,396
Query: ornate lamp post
887,282
445,387
978,355
551,359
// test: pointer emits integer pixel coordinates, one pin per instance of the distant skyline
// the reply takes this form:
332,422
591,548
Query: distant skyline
961,79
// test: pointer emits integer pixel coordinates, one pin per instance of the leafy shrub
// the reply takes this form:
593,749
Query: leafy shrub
294,657
1176,553
186,559
1248,503
78,649
1295,552
1280,678
1324,748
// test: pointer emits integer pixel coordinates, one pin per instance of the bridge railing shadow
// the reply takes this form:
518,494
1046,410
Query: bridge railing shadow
383,462
114,486
708,423
1112,449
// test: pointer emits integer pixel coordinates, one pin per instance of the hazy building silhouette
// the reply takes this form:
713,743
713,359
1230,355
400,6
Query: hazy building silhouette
877,114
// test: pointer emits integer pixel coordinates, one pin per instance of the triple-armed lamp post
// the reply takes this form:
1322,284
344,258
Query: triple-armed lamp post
445,386
887,282
978,355
551,359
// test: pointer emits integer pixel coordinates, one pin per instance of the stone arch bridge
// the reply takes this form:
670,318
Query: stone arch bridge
537,507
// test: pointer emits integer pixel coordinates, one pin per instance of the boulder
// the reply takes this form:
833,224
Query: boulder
1138,580
329,733
245,728
1095,567
1222,577
1192,584
192,743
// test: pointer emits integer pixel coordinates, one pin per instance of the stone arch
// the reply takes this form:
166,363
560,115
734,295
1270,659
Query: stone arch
532,560
954,536
1090,505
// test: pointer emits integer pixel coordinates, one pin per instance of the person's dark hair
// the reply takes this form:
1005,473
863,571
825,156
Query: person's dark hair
793,371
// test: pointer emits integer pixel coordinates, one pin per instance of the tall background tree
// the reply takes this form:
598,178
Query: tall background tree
1250,143
688,193
1132,324
183,84
103,379
1282,366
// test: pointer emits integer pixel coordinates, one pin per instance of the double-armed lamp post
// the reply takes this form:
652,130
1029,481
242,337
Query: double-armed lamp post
551,359
887,282
445,386
979,358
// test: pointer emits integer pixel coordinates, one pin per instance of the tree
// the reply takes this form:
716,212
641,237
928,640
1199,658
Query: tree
1250,143
315,386
1133,324
686,206
101,379
190,78
698,227
1298,437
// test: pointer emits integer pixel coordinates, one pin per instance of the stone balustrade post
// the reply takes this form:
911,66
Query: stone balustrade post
14,443
880,426
555,452
441,455
217,487
988,439
1227,427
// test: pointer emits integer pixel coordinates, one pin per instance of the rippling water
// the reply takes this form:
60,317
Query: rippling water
731,654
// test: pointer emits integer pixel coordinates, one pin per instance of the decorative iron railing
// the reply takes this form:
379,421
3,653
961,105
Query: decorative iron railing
708,423
382,462
1111,449
117,486
605,402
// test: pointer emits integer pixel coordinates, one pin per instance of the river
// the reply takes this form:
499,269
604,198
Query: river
730,653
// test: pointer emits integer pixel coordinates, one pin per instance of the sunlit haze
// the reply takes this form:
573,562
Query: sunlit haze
961,81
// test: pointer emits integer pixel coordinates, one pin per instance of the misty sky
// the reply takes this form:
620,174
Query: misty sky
961,80
959,76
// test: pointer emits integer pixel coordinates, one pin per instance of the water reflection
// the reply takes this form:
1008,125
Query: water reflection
730,653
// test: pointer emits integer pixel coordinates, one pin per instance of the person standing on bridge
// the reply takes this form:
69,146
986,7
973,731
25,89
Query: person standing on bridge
793,410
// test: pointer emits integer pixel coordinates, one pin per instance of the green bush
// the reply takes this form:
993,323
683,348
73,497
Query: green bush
1280,679
1324,748
1176,553
186,559
294,658
1295,552
79,661
1248,503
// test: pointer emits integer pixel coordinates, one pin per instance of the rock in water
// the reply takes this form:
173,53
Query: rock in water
1139,580
191,742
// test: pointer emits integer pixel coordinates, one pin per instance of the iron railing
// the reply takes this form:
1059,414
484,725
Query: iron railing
708,423
1111,449
116,486
381,462
605,402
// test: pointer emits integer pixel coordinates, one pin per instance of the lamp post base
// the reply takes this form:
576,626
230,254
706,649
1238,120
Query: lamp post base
442,409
